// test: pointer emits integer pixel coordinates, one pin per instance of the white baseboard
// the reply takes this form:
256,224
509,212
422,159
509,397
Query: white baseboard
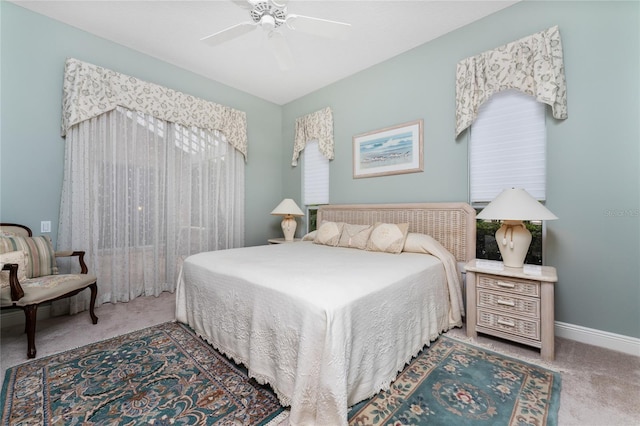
16,316
604,339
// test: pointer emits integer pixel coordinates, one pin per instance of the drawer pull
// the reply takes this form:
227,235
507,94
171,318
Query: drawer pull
506,323
506,302
505,284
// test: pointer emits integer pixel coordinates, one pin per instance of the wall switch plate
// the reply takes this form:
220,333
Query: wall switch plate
45,226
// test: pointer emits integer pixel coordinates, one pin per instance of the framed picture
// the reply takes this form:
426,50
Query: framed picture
390,151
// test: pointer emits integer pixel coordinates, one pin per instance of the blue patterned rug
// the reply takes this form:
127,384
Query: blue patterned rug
453,383
166,375
160,375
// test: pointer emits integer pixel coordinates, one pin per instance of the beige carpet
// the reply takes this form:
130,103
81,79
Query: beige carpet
599,387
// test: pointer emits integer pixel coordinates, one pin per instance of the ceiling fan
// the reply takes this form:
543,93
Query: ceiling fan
270,15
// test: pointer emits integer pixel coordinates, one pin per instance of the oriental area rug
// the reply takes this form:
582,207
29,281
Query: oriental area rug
161,375
453,383
168,375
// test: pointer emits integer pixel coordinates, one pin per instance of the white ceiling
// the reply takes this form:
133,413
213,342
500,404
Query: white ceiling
171,31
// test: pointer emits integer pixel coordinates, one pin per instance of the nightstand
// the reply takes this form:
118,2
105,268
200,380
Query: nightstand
512,303
282,241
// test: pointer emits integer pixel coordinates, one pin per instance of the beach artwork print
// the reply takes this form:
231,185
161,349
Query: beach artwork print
389,151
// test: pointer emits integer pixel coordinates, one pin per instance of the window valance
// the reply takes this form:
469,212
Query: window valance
90,90
533,65
315,126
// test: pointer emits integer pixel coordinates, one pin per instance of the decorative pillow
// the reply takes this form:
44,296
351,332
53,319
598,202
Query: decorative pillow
13,257
388,237
355,236
329,233
39,251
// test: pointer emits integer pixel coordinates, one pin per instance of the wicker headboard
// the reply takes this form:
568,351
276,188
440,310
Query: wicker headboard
452,224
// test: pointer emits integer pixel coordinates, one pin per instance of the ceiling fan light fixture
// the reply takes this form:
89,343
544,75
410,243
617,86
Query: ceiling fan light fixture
265,9
268,22
270,15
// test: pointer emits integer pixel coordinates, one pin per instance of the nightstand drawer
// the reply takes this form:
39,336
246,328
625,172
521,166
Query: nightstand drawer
509,303
512,285
529,328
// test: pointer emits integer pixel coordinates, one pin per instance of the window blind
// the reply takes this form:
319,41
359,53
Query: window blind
315,175
508,147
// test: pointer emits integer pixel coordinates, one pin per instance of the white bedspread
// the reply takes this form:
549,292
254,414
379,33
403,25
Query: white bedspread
326,327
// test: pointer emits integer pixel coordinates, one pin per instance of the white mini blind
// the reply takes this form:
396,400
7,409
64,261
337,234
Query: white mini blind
315,188
507,147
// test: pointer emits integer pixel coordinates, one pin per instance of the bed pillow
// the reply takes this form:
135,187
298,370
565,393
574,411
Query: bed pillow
420,243
310,236
13,257
41,259
388,237
329,233
355,236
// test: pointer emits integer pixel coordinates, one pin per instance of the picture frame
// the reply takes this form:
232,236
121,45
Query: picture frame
389,151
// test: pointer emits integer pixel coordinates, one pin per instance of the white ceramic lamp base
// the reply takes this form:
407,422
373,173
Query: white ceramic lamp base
289,225
513,240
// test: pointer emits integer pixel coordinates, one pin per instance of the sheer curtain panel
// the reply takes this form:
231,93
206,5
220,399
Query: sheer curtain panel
140,194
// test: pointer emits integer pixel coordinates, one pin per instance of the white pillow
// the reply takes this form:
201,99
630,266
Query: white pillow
420,243
310,236
355,236
329,233
388,237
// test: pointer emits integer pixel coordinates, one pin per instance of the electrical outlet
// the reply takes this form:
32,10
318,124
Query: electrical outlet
45,226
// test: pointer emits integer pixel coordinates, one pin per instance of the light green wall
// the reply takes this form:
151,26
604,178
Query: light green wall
33,52
593,156
593,164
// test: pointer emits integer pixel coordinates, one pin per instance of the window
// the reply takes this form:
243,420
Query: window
315,183
507,149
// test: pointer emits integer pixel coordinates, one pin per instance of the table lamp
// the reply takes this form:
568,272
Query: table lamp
512,206
289,209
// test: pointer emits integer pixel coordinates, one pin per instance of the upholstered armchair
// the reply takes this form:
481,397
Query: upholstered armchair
29,276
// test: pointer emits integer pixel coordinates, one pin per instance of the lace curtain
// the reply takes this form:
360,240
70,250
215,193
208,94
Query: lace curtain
151,175
315,126
140,194
533,65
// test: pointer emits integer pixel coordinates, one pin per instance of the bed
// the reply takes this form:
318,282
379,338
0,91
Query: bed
329,326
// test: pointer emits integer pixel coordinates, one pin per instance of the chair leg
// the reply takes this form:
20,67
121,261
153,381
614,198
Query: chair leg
30,316
94,293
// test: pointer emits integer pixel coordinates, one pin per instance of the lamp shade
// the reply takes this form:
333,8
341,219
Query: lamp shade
515,204
287,207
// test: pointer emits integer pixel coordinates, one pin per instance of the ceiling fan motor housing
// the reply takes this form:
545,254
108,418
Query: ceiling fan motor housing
265,9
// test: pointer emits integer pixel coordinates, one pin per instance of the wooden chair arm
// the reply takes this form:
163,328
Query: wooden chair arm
17,292
80,254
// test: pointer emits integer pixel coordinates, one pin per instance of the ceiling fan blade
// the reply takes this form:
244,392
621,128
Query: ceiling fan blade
319,27
280,48
279,3
245,4
229,33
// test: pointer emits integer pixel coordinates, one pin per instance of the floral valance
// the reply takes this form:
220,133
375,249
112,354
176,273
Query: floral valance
315,126
533,65
90,90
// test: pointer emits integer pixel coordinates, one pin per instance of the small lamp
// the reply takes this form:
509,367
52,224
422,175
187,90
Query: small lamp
288,208
512,206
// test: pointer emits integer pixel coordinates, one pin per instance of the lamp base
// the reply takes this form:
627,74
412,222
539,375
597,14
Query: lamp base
513,240
289,225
